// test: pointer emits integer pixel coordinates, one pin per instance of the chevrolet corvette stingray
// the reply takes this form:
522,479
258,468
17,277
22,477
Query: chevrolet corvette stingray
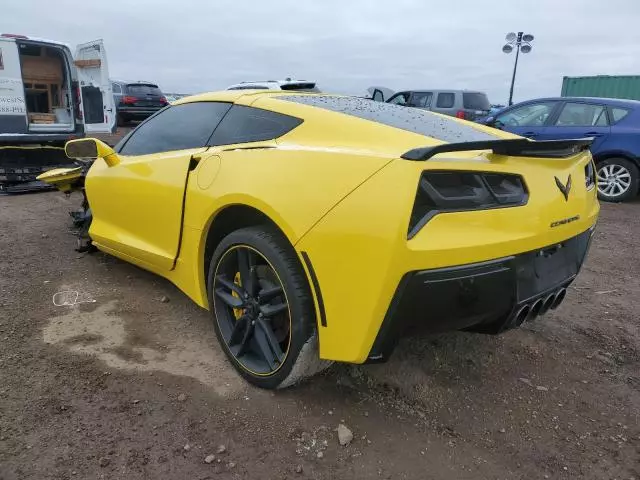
317,228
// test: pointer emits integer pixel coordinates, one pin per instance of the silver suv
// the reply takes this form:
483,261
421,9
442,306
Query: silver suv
466,104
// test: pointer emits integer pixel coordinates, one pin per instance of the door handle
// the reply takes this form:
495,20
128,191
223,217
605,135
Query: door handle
529,134
593,134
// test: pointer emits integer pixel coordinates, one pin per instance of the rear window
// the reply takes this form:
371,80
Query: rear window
413,120
247,124
138,89
475,101
619,114
305,87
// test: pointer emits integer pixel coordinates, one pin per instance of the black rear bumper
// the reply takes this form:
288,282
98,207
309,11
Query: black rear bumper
487,297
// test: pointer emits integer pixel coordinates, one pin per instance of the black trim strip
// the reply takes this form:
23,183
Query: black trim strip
517,147
316,287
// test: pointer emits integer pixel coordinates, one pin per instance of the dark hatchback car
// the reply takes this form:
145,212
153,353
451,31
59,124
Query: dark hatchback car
136,100
614,125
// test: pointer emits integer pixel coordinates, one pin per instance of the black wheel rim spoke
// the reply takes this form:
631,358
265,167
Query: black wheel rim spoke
233,287
273,310
246,266
268,345
230,300
246,339
268,294
238,331
252,310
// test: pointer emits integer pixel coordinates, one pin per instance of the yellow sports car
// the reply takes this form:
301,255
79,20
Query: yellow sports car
315,227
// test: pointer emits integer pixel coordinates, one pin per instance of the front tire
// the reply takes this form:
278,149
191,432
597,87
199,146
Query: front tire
262,308
617,180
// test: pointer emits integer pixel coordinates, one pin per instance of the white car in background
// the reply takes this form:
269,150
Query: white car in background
287,84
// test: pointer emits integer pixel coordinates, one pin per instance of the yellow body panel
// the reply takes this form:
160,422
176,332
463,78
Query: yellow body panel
347,247
64,179
337,189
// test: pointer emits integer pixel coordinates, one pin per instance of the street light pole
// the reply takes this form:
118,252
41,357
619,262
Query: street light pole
521,41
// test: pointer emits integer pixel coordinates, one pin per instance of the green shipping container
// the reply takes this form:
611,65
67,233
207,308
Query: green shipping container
606,86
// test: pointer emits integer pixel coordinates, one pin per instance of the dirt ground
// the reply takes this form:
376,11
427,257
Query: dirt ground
129,382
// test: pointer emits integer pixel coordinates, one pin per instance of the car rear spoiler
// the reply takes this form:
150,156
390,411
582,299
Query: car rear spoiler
517,147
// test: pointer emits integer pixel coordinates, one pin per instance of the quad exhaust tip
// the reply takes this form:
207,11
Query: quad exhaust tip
521,315
535,309
548,302
559,298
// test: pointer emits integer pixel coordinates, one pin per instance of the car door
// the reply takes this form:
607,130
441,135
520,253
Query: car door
137,205
528,120
576,119
97,103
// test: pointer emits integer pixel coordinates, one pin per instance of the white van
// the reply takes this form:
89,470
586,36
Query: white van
47,97
47,94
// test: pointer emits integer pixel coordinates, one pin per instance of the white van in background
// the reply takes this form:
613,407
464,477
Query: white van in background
48,96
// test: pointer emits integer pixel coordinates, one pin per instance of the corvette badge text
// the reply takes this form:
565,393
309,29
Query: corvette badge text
564,221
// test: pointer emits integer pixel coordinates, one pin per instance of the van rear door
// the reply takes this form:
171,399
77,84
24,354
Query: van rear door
97,104
13,111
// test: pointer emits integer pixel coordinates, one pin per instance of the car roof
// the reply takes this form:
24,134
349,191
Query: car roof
608,101
447,90
137,82
226,96
271,83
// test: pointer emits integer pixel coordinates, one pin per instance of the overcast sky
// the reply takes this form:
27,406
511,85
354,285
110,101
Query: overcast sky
345,45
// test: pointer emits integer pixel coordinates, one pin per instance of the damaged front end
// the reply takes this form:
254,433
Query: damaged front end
69,180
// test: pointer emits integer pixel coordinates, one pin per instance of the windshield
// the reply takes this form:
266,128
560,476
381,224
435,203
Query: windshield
138,89
476,101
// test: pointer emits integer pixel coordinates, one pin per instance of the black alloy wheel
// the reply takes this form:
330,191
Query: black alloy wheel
262,308
254,316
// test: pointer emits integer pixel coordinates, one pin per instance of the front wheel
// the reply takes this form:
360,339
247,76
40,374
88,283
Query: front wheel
262,308
617,180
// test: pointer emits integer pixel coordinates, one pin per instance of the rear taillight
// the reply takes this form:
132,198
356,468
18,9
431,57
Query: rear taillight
163,100
128,100
589,175
460,114
441,192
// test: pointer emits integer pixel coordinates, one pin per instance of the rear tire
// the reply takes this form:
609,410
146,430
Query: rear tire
271,265
617,180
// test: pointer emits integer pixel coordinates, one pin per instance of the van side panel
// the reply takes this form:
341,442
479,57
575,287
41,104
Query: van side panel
13,110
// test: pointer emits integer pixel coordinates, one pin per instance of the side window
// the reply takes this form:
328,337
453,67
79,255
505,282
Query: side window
582,115
446,100
399,99
178,127
377,96
247,124
421,99
116,88
531,115
618,114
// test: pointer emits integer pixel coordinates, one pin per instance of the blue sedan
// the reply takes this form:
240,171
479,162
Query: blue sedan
614,125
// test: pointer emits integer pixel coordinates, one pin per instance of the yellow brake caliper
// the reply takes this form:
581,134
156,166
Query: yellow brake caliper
237,312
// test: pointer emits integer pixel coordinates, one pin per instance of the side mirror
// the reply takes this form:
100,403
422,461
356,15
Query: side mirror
490,121
91,148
